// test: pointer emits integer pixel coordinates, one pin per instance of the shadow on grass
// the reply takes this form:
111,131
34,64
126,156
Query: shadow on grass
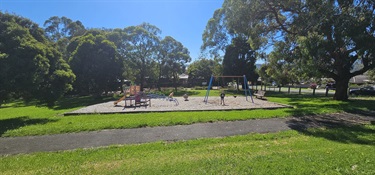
74,102
351,121
342,132
15,123
309,104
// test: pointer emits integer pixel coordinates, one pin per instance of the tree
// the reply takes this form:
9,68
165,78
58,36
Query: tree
239,59
61,31
95,62
216,37
30,67
141,47
174,58
285,66
330,34
371,74
203,69
57,28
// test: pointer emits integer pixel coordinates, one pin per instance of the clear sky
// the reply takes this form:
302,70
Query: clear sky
184,20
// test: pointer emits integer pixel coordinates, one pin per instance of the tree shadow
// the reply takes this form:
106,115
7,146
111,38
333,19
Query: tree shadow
339,127
15,123
303,106
182,92
80,101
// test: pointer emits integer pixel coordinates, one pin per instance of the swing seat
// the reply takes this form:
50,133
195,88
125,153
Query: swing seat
260,94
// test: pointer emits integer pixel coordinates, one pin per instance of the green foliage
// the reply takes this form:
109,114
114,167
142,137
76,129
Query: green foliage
95,63
331,37
239,59
202,69
139,49
58,28
371,74
29,66
174,57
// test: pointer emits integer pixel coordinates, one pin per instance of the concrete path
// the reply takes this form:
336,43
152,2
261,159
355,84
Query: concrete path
70,141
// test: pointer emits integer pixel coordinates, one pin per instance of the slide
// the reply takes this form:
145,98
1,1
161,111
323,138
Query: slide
122,98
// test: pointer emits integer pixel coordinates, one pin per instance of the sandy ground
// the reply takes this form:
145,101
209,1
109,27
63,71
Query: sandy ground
194,104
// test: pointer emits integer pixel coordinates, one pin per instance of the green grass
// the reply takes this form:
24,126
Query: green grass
314,152
339,150
17,119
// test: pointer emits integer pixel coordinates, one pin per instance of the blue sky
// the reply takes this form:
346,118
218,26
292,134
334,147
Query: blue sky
184,20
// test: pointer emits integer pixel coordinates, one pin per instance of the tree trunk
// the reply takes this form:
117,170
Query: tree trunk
159,78
341,93
175,81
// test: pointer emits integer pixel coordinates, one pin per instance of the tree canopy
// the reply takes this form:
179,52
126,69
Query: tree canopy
239,59
203,69
140,49
329,35
174,56
95,62
30,67
42,64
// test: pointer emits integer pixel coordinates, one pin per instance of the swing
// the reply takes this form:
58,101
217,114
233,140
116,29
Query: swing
247,90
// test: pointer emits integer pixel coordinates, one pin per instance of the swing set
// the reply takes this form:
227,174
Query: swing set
246,87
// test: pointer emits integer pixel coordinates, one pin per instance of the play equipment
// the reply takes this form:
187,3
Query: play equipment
128,91
246,86
164,97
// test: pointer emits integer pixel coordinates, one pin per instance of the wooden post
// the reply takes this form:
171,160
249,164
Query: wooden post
299,90
289,90
279,88
314,91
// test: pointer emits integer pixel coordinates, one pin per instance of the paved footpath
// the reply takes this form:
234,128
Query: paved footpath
17,145
30,144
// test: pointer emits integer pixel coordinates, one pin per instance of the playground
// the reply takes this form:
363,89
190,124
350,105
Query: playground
179,104
136,101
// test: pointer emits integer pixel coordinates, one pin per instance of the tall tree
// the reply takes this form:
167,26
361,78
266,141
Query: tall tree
203,69
331,34
141,43
174,57
95,62
239,59
285,66
61,31
57,28
216,36
30,67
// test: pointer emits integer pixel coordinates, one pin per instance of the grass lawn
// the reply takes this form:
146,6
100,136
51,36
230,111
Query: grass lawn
319,151
17,119
340,150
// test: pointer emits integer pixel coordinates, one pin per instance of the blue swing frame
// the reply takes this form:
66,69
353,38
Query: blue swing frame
247,89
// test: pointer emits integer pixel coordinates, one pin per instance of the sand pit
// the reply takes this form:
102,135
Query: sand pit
194,104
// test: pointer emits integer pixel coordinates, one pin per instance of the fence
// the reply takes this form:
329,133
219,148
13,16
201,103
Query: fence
294,90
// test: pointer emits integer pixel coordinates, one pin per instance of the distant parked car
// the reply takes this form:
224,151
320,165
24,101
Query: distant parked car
368,90
331,86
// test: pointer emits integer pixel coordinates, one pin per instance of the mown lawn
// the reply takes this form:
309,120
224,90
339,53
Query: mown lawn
312,152
339,150
17,119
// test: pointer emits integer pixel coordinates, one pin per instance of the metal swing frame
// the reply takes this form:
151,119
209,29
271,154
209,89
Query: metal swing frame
247,89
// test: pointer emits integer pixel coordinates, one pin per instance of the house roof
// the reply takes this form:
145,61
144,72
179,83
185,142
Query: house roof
183,76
